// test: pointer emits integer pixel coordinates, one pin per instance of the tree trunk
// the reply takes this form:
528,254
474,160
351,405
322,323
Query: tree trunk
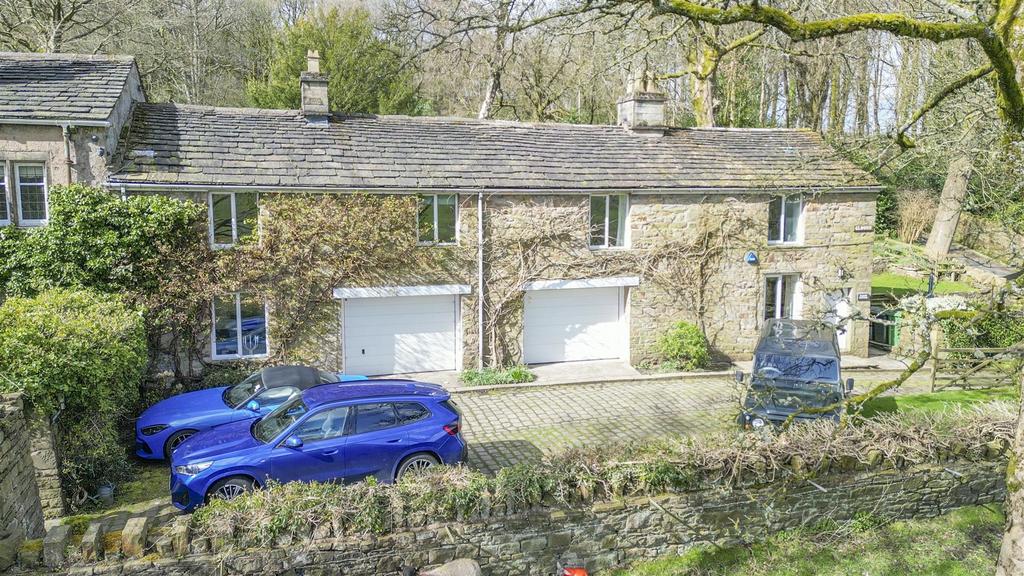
702,94
1011,555
951,203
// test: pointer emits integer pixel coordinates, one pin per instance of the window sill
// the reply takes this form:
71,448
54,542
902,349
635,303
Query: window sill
236,358
608,248
442,244
796,244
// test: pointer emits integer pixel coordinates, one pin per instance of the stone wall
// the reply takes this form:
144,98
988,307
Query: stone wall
21,516
45,459
991,238
607,534
833,256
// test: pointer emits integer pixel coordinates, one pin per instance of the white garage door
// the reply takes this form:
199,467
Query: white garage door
573,324
400,334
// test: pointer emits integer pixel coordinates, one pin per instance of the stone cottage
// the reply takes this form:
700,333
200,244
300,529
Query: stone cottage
722,227
60,119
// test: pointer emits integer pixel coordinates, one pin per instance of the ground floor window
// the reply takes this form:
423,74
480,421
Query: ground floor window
239,326
780,296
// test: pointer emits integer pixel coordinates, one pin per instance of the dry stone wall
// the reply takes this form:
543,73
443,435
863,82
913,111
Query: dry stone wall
606,534
21,515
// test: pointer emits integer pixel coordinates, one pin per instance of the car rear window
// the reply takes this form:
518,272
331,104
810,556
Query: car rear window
409,412
370,417
450,405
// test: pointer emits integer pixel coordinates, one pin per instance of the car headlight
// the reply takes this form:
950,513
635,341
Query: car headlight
757,423
150,430
192,469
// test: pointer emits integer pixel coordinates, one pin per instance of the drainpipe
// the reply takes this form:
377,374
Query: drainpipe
65,130
480,278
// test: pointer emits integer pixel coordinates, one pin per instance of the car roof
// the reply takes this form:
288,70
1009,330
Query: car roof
345,391
301,377
798,337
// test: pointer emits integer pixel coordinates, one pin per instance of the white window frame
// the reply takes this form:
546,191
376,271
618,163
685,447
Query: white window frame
234,218
782,221
238,329
436,241
3,197
46,194
624,207
798,299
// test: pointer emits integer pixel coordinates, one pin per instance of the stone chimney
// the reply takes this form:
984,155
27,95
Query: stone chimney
642,109
314,90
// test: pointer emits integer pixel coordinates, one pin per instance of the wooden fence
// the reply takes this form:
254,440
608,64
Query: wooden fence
974,368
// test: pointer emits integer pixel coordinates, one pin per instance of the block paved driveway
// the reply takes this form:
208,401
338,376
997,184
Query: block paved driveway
506,427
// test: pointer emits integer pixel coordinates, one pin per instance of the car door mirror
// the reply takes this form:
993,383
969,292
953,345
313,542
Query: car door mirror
739,376
849,384
252,406
293,442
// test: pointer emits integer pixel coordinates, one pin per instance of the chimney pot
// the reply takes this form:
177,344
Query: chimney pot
313,90
642,109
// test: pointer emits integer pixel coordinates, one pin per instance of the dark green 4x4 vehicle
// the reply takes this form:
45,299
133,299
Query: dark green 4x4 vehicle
796,368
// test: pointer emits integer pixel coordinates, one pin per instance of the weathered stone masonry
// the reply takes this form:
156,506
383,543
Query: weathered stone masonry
21,516
611,533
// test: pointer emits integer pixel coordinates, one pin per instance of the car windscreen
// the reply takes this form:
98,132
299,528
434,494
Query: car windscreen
780,368
266,429
239,393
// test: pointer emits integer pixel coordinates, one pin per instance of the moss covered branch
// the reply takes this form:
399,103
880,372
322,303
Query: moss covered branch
992,36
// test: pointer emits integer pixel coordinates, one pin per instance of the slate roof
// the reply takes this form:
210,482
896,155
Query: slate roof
175,144
61,86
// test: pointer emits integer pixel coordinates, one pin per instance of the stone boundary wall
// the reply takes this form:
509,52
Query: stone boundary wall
991,238
44,458
21,514
605,534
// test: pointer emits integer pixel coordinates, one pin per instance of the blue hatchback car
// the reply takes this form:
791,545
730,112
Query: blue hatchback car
168,423
328,433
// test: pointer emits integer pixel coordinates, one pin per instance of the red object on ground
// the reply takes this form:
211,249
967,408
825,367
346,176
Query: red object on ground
574,572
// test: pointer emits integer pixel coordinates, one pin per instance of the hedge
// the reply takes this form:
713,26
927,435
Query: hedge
282,513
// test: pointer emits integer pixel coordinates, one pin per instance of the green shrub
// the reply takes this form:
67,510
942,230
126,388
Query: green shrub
963,329
495,376
77,356
684,347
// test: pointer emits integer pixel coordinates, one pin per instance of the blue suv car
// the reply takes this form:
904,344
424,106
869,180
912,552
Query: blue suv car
329,433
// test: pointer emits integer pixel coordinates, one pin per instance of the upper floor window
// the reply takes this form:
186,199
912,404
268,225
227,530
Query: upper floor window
437,218
233,216
784,219
5,213
30,186
608,214
239,327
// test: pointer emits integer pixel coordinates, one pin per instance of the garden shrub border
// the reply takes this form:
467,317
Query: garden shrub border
282,514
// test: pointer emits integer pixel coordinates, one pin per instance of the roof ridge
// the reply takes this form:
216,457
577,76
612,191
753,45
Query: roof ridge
67,56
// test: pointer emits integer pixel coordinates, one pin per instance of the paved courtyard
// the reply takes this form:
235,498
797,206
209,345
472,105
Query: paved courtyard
505,427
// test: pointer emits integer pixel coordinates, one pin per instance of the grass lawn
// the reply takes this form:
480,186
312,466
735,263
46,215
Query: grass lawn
962,543
900,285
936,401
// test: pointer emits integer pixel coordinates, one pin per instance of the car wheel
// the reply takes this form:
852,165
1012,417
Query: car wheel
175,440
229,488
415,464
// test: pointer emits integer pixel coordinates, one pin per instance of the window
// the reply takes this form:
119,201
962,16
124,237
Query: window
239,327
608,220
233,216
781,296
30,183
323,425
5,213
373,417
409,412
437,218
784,214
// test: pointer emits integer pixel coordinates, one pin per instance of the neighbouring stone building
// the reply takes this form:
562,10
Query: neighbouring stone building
723,227
21,515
